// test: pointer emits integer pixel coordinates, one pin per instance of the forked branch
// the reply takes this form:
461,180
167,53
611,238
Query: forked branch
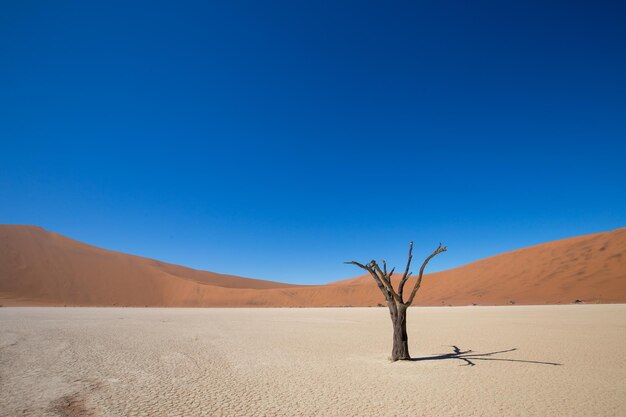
383,278
386,279
406,274
437,251
380,284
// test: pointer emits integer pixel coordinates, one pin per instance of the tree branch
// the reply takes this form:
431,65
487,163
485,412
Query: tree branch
385,279
437,251
382,287
405,276
356,263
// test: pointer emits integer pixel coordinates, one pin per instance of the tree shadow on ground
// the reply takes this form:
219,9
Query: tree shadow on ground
469,356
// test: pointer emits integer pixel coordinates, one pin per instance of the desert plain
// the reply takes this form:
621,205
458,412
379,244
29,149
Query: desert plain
563,360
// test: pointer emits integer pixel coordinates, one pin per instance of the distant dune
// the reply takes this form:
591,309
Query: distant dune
38,267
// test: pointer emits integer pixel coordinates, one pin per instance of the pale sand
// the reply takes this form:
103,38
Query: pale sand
327,361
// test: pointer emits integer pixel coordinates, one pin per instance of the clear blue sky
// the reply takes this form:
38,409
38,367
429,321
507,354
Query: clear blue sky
278,139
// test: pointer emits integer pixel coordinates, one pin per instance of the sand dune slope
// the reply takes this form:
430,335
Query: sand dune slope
41,267
591,268
38,267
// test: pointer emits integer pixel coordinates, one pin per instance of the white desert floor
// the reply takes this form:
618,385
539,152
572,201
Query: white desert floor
313,362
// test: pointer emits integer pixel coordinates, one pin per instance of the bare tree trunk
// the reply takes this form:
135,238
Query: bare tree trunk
400,350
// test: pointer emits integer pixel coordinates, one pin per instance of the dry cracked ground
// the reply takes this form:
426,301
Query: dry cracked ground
472,361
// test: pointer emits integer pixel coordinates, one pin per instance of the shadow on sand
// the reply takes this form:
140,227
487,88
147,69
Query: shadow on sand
468,356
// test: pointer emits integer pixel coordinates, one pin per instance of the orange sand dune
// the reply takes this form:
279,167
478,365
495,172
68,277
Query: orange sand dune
41,267
38,267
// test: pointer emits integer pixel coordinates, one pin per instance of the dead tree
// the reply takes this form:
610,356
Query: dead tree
395,299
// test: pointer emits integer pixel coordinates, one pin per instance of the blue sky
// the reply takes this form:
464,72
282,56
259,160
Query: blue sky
278,139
